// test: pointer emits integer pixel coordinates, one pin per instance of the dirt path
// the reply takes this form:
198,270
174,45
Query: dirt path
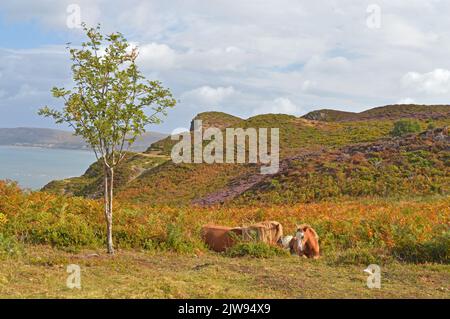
247,182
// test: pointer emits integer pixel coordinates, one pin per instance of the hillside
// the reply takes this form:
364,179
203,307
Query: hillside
388,112
319,160
51,138
411,165
90,184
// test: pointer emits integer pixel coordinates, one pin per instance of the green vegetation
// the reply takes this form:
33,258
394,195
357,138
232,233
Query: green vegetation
404,127
385,230
256,250
417,166
434,250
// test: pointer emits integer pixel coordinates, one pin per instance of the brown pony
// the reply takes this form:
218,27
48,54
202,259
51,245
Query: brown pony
305,242
217,238
220,238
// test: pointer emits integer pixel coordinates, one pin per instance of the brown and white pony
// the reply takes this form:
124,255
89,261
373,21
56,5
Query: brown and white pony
220,238
305,242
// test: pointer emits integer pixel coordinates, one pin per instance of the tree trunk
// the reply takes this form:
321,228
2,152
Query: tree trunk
108,199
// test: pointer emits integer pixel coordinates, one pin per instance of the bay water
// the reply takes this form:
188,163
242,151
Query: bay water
34,167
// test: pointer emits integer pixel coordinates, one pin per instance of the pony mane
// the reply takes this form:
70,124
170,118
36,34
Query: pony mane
264,230
307,226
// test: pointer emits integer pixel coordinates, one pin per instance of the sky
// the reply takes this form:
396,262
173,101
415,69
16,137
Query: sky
243,57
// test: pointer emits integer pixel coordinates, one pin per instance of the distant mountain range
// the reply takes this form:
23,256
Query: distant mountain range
51,138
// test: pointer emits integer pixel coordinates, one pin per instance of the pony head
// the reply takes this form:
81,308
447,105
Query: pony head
301,239
305,241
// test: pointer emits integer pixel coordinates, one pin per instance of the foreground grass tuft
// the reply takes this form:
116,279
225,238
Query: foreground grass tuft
255,249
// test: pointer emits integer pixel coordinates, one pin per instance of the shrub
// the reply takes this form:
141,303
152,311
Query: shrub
436,249
176,240
9,246
358,256
431,126
403,127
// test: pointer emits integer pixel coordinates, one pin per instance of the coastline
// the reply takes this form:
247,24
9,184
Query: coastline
46,146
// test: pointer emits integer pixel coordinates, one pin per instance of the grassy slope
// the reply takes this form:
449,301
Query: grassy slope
41,273
90,183
180,184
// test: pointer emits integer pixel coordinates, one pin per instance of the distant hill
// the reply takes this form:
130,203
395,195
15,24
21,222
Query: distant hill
52,138
350,154
388,112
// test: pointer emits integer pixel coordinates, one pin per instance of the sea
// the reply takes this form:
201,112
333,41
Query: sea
34,167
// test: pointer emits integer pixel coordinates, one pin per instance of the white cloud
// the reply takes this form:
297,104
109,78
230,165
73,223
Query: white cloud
308,85
401,33
406,100
52,14
156,56
280,105
434,82
208,96
215,59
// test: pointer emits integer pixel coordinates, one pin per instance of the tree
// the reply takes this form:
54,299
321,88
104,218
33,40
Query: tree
107,106
403,127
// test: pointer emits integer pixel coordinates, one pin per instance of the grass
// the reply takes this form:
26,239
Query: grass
256,250
368,229
41,273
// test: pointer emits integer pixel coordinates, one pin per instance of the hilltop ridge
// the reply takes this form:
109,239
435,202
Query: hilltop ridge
390,112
